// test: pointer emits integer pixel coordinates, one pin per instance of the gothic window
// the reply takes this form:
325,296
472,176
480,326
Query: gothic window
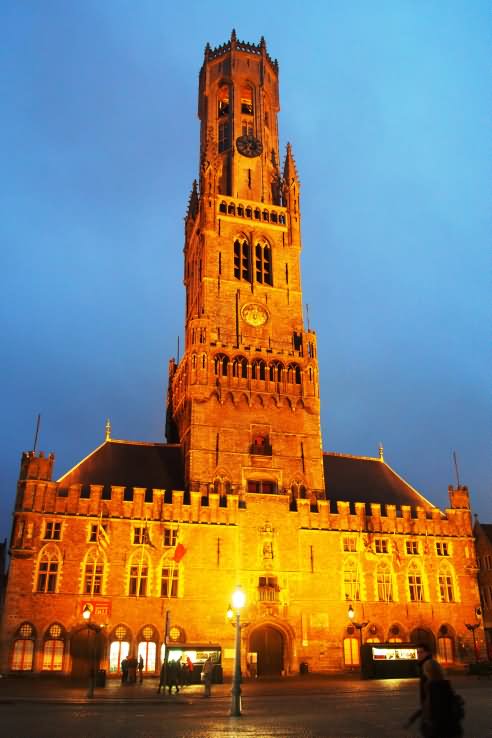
139,575
47,572
257,214
223,207
384,583
93,574
240,211
224,136
276,371
266,215
119,648
242,260
263,264
446,585
258,369
169,581
221,362
415,583
246,100
231,210
52,531
294,374
223,101
23,649
351,584
240,367
147,649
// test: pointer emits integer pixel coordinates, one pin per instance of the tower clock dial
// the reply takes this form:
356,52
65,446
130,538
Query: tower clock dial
254,314
249,146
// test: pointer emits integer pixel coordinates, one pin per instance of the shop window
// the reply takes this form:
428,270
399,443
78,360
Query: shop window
169,581
351,651
148,651
22,655
52,531
118,650
47,572
53,655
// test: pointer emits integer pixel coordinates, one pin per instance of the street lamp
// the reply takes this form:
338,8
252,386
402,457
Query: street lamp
472,628
359,626
238,602
86,614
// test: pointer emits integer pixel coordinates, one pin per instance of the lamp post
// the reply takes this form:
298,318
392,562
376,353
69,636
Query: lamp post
472,628
86,614
238,602
359,626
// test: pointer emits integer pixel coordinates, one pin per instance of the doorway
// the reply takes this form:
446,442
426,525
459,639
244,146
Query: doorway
268,643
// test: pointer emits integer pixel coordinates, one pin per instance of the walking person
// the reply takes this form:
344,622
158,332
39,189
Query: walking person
441,709
124,671
172,677
162,678
207,672
140,669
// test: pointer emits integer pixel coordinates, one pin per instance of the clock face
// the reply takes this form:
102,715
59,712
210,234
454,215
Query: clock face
249,146
254,314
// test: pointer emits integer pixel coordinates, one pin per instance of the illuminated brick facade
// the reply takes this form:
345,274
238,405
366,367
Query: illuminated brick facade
242,493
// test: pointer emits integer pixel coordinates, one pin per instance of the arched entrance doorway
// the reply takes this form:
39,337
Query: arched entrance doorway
268,643
86,649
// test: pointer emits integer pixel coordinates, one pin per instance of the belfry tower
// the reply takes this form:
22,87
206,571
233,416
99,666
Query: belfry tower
244,399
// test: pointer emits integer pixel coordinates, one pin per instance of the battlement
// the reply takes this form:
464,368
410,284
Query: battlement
235,45
36,466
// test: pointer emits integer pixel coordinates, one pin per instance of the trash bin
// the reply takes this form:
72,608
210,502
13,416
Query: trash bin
101,678
303,667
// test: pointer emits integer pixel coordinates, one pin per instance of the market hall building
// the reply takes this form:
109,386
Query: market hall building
149,540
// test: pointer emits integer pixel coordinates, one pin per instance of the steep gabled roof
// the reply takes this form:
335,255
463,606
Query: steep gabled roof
365,479
130,464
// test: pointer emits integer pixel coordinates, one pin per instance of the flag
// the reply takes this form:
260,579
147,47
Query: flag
396,553
102,537
179,553
146,536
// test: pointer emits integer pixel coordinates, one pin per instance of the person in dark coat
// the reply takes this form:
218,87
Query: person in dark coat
124,671
172,677
140,669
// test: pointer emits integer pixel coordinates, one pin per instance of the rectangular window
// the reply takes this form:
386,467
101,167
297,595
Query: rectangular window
138,535
224,136
412,547
169,582
415,588
442,548
93,578
52,531
138,581
381,545
446,588
170,536
349,543
93,537
47,574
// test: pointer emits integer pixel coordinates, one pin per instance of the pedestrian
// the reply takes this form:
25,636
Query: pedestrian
162,678
172,677
441,709
207,672
124,671
189,670
140,669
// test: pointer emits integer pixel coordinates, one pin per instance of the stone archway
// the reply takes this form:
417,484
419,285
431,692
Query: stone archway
87,647
268,643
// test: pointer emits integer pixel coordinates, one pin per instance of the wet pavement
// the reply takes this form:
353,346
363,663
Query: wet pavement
297,707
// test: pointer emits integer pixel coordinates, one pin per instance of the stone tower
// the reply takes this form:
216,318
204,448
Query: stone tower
244,399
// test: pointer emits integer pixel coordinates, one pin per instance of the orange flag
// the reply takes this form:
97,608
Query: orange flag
179,553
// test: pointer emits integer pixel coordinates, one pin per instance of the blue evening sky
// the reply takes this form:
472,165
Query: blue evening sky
387,105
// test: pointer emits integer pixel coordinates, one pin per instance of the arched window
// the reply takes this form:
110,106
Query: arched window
221,362
54,647
242,260
47,571
246,100
351,648
169,579
258,369
276,371
139,575
395,634
384,583
119,648
294,374
223,207
147,648
224,136
351,584
263,263
445,582
22,657
445,645
240,367
415,583
93,573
